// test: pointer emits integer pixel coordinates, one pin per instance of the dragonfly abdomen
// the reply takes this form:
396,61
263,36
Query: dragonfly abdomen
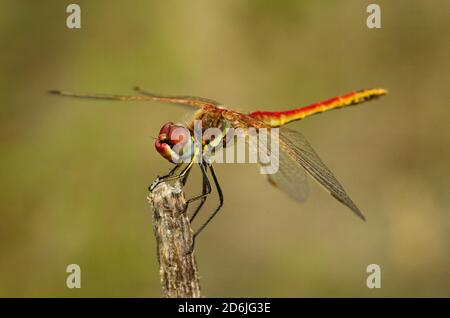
276,119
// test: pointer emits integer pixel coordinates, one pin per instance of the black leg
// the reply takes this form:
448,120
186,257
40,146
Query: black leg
172,171
159,179
219,193
206,189
170,177
184,179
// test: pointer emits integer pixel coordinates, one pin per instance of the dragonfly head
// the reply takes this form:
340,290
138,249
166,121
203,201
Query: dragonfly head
175,143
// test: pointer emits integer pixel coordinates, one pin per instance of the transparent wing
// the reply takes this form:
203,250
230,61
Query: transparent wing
290,177
189,100
183,100
282,169
294,145
295,156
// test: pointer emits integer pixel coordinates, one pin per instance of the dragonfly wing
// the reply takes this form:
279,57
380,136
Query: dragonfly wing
193,101
182,99
290,177
294,145
282,170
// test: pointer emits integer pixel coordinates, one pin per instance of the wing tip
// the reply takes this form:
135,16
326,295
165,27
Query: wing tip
352,206
355,210
360,215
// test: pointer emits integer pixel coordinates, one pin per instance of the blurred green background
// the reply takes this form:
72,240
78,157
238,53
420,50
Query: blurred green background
74,173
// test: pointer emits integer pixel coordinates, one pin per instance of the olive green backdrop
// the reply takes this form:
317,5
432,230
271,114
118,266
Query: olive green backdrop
74,173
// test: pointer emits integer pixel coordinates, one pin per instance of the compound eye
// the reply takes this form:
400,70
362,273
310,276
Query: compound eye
178,134
166,128
174,143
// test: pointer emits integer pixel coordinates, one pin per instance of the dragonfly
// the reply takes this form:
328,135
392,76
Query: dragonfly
297,158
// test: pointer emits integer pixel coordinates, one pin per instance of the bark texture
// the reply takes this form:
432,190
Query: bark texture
173,232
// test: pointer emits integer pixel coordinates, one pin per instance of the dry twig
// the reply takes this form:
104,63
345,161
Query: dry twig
177,267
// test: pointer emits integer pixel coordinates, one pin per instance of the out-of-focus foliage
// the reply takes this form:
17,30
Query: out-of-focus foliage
74,173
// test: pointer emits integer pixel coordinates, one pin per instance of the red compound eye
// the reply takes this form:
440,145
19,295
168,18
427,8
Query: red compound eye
166,128
170,135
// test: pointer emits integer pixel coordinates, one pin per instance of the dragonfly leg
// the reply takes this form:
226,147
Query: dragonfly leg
219,193
159,179
185,177
205,192
171,172
171,177
206,189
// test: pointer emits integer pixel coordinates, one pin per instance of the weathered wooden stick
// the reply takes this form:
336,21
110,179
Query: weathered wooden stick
173,232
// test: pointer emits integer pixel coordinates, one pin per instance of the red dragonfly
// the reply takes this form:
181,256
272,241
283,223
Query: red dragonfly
295,153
